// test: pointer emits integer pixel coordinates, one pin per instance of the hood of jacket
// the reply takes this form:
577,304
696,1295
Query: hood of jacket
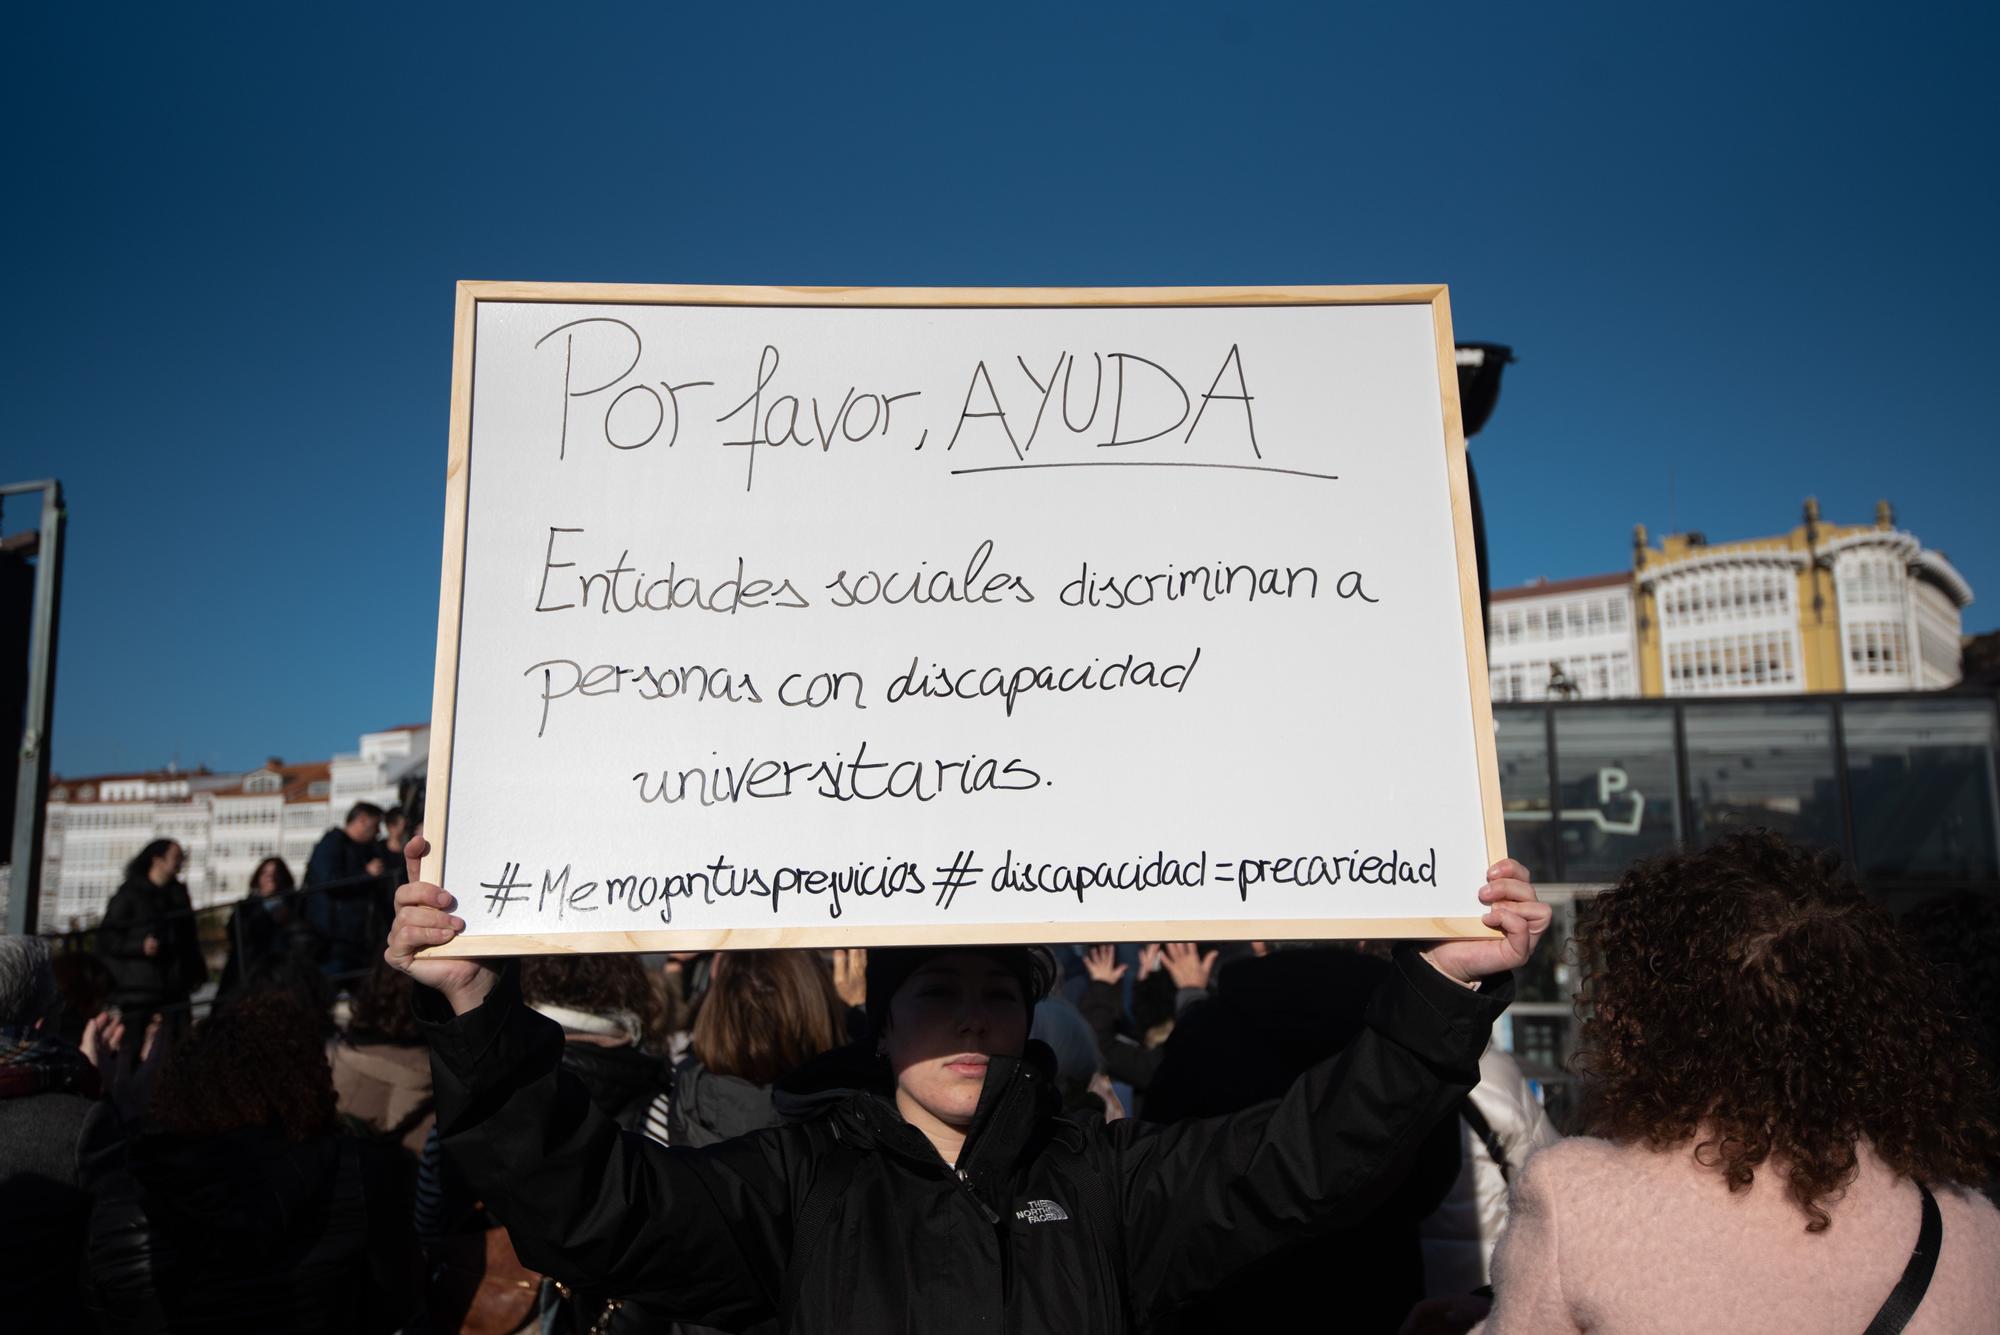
854,1091
707,1107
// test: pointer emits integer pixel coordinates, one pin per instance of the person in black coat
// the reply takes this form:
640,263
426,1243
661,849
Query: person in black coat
147,938
48,1106
348,914
939,1188
1270,1020
238,1205
267,928
765,1014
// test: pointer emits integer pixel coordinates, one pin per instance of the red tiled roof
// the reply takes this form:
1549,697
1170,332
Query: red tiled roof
296,779
121,778
96,782
1543,587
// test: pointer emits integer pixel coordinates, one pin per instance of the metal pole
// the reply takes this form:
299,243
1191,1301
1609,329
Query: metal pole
31,793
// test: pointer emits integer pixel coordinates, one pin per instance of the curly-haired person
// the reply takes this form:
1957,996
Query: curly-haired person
238,1205
1774,1070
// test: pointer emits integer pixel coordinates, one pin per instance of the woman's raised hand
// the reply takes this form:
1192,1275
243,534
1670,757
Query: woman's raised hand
1514,911
1101,963
1187,966
850,976
423,920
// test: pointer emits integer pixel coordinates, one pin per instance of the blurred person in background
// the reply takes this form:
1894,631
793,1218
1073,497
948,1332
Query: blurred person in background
1782,1095
1500,1124
238,1206
347,914
1271,1018
84,982
766,1013
611,1027
148,940
265,924
1131,1047
48,1100
381,1068
1080,1076
397,830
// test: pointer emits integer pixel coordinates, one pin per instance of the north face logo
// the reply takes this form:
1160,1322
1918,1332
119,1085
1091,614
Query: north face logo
1042,1212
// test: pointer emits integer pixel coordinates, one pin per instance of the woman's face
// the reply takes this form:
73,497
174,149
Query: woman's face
267,879
945,1021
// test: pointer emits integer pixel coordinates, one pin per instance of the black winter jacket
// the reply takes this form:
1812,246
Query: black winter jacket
1046,1224
242,1231
1271,1019
141,909
351,915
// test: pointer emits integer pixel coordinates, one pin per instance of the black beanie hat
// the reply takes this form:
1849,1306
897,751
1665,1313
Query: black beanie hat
890,967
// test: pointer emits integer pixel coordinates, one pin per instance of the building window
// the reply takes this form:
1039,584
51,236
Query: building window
1877,649
1756,661
1921,775
1871,577
1712,597
1768,765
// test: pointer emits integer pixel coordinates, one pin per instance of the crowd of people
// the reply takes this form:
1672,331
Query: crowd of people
1788,1122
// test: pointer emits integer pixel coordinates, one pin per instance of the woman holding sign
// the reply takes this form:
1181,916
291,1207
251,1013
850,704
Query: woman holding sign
937,1187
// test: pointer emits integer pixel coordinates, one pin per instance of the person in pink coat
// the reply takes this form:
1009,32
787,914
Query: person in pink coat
1773,1071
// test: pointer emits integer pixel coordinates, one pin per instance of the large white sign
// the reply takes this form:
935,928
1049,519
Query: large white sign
783,617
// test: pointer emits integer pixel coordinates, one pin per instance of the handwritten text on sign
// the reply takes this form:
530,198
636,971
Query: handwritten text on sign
964,618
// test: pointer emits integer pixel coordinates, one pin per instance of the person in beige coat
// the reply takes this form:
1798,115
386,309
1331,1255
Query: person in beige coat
1774,1072
381,1066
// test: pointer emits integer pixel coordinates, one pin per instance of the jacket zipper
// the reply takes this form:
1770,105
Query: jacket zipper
965,1183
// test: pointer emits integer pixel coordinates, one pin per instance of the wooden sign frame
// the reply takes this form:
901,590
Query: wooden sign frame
451,584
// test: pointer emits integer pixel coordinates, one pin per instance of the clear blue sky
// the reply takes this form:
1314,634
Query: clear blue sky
1745,253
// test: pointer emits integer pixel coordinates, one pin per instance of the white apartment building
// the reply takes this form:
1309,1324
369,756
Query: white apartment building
269,814
1900,619
228,823
1580,628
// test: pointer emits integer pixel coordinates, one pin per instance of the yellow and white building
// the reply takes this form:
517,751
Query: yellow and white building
1825,607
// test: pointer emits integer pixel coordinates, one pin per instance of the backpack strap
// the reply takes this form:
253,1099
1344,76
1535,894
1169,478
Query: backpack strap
833,1171
1902,1304
1488,1137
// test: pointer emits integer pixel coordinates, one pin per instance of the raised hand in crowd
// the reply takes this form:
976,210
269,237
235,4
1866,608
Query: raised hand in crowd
1514,912
1187,966
424,919
102,1035
1149,959
1101,963
850,976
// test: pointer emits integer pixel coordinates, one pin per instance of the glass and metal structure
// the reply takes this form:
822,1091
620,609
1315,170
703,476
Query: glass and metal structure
1902,786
